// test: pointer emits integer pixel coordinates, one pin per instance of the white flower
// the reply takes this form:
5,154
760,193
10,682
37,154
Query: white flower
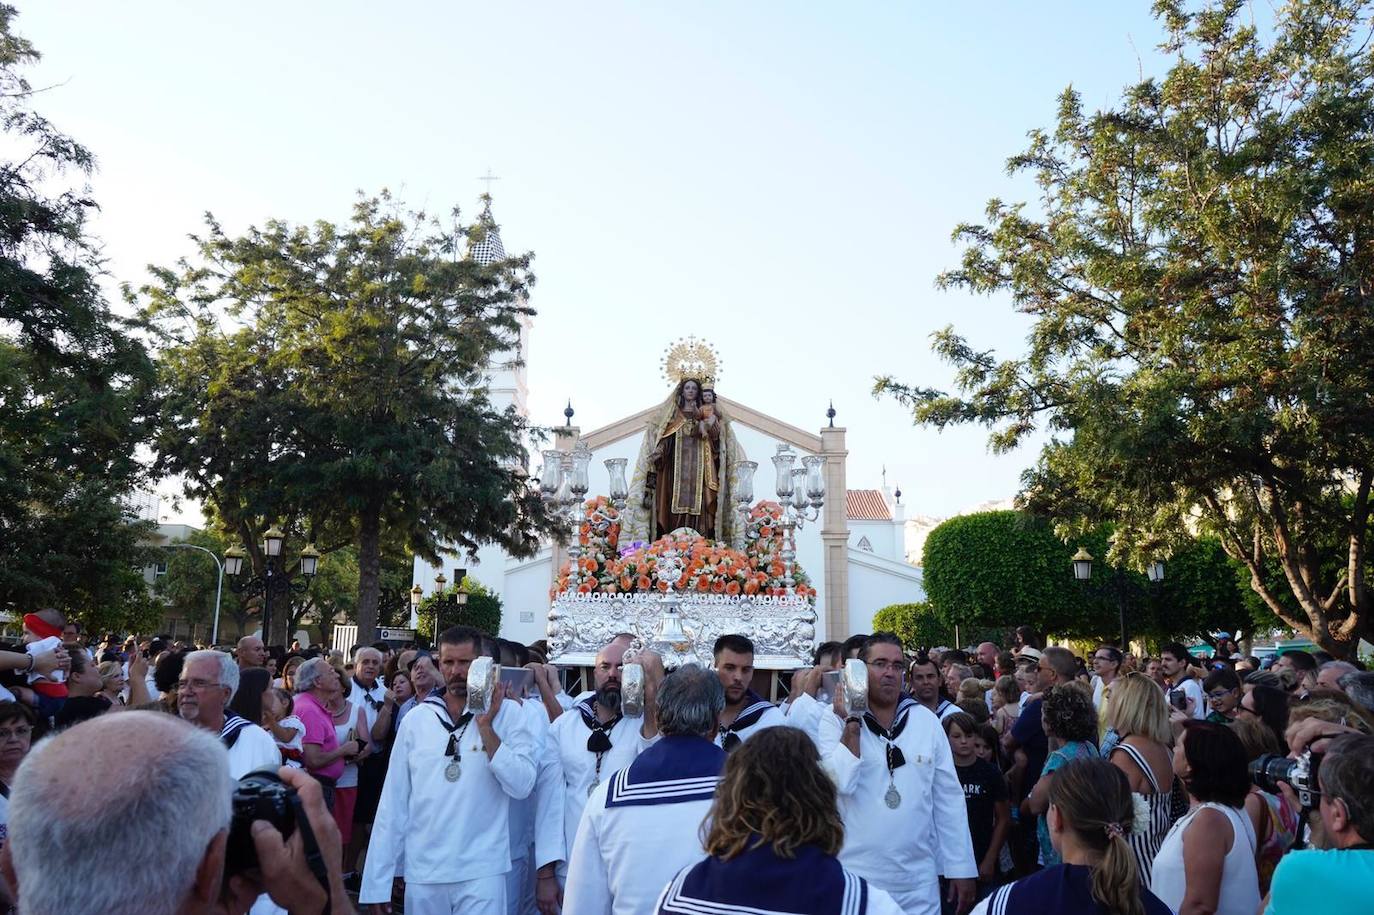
1140,814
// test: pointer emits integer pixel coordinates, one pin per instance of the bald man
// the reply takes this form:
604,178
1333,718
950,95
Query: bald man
251,652
163,790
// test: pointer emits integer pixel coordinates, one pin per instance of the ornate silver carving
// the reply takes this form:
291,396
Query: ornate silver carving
782,628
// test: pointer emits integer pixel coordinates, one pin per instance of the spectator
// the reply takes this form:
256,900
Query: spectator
1329,674
248,698
987,656
956,674
251,652
350,725
985,798
1341,874
976,709
1303,667
1068,717
83,693
286,729
1006,703
162,792
208,682
1260,678
853,644
1090,815
1273,817
16,733
112,681
1207,861
1185,692
1106,668
1141,719
1330,705
1359,687
829,656
1222,688
1155,671
322,753
287,681
1027,637
926,687
1270,705
773,838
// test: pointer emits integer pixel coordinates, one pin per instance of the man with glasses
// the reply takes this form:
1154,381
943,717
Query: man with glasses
905,820
208,681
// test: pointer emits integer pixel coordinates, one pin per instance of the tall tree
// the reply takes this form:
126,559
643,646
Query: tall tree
333,375
1198,270
75,382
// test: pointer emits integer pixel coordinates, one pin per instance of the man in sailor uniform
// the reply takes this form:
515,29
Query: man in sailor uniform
643,825
593,739
447,794
895,776
745,712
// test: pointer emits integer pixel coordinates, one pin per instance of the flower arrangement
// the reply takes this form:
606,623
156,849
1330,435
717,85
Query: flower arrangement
709,566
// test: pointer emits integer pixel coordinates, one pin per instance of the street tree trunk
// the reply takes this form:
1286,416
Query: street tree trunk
369,571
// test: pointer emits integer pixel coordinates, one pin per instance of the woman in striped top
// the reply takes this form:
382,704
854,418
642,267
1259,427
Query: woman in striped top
1140,715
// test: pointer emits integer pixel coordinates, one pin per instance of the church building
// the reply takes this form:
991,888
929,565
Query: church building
853,553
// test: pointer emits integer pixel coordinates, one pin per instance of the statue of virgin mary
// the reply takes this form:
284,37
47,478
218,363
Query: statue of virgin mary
683,476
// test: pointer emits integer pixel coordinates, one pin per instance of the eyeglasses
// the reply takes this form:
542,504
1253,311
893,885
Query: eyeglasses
197,685
22,732
1247,710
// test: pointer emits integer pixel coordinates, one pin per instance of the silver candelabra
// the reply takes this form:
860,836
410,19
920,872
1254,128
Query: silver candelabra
563,485
801,493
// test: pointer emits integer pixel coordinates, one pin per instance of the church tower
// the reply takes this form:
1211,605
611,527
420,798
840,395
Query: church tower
505,377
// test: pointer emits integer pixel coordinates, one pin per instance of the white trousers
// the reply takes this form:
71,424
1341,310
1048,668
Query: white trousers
482,896
520,888
924,900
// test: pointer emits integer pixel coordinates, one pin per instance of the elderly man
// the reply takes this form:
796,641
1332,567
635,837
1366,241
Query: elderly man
321,753
987,656
446,802
251,652
1341,872
1329,674
424,682
368,692
158,846
641,826
208,681
745,712
905,821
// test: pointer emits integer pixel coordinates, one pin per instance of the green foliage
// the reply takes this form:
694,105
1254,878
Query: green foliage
74,382
330,376
1200,596
189,585
482,611
918,625
1197,272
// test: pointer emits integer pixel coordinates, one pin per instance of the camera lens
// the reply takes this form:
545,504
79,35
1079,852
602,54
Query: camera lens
1269,770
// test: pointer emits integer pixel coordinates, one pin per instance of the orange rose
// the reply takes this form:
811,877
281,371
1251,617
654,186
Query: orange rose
751,587
644,583
718,586
703,583
732,587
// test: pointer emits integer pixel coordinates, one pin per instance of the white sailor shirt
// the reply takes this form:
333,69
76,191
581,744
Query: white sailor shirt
250,747
641,827
577,766
369,700
891,846
756,714
449,831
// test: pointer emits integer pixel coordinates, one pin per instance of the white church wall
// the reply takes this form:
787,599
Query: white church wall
525,601
882,537
875,582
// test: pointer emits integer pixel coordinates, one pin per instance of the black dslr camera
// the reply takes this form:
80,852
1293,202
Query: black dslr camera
260,795
1300,774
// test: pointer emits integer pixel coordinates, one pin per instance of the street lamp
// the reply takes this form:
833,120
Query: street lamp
1155,571
219,586
273,583
1083,570
417,594
459,598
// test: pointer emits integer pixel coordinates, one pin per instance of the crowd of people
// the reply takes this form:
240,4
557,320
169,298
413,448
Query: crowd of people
991,780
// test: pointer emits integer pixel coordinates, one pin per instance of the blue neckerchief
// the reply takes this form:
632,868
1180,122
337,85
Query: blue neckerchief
754,708
674,770
758,882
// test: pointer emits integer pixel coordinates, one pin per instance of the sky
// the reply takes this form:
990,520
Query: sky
781,179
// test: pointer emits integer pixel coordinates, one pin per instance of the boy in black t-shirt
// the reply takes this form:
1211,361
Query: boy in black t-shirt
985,793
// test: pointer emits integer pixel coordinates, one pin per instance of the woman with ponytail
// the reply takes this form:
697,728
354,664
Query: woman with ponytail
1091,813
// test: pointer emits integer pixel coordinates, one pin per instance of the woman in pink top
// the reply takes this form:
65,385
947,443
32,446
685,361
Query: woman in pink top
322,753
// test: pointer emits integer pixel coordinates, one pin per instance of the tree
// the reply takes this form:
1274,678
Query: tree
918,625
482,611
346,395
1198,271
75,384
1004,569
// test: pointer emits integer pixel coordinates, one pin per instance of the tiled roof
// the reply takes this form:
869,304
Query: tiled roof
865,505
485,245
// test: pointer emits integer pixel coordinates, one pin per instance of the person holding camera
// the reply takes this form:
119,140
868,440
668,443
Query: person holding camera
1343,870
165,804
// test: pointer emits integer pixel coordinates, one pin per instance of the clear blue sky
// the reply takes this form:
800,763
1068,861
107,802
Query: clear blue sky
781,178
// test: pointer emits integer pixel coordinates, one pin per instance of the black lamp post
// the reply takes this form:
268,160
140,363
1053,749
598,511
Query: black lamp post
1116,584
443,599
273,583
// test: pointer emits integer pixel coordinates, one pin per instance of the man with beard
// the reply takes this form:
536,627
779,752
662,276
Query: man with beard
446,801
593,740
745,712
208,681
898,790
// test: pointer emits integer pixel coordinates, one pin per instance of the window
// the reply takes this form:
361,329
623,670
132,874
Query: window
160,569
